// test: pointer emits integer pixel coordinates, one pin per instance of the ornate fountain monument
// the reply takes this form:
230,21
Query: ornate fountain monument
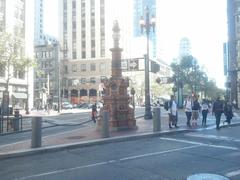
116,99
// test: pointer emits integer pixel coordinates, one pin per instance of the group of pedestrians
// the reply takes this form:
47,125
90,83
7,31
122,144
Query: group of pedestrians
193,108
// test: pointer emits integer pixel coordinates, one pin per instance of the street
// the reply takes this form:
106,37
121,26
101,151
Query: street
167,157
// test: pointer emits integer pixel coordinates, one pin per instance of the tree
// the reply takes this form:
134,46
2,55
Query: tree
189,74
13,62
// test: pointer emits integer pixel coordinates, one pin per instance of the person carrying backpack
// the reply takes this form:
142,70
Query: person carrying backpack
217,110
228,112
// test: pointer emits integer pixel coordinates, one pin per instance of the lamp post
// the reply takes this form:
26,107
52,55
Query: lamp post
147,24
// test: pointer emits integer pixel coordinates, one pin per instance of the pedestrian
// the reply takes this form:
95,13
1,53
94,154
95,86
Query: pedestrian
188,109
94,112
172,112
228,112
205,111
195,110
217,110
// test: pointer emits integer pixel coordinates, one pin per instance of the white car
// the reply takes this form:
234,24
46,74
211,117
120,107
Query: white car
67,105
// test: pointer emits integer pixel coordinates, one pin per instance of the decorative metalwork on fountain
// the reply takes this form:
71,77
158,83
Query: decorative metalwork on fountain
116,99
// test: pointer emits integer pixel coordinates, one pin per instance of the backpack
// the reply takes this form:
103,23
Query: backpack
166,105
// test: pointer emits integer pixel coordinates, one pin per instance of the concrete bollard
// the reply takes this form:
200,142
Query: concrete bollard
36,132
156,119
16,120
105,125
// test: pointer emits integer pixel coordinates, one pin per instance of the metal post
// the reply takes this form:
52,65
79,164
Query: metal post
16,120
36,132
156,119
105,125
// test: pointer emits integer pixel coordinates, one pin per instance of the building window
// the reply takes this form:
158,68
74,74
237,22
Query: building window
83,80
2,71
102,67
74,55
93,53
92,67
74,68
83,54
74,4
83,67
92,80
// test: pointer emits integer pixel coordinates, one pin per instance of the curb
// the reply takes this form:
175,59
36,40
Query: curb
48,149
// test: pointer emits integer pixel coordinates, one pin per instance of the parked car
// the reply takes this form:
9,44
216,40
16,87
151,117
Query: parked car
67,105
84,106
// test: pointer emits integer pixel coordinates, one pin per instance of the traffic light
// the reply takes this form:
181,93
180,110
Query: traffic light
155,67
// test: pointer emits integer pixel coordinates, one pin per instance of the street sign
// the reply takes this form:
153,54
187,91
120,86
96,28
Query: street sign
133,64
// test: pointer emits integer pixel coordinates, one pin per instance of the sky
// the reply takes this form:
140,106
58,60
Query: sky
203,22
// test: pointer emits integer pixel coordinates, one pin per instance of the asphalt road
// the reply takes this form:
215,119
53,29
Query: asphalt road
172,157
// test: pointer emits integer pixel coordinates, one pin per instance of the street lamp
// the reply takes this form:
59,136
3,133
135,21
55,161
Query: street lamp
147,24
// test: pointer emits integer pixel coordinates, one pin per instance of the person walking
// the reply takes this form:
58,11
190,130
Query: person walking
195,111
205,110
94,112
172,112
217,111
188,109
228,112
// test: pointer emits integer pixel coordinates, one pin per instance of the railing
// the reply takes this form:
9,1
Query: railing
11,123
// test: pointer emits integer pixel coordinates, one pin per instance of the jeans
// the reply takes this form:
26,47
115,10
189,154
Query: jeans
218,118
189,115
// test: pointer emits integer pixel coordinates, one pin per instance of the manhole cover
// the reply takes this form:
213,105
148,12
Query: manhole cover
204,176
75,137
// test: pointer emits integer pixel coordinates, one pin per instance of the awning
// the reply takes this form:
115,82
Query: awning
19,95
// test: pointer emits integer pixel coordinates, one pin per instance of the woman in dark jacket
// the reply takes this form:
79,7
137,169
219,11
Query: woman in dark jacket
218,110
228,112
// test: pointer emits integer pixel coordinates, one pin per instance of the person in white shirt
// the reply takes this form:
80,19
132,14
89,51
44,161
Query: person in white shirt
172,112
188,109
205,110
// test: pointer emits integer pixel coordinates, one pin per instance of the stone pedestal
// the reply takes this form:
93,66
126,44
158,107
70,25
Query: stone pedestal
116,99
116,102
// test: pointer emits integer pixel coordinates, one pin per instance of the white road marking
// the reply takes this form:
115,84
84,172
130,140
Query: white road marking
106,162
201,144
233,173
209,136
157,153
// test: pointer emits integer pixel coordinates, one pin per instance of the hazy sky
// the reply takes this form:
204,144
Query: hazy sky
204,22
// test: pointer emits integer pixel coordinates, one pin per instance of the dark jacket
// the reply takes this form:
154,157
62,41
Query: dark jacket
218,106
196,106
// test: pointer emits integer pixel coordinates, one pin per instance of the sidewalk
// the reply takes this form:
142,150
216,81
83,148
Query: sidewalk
89,134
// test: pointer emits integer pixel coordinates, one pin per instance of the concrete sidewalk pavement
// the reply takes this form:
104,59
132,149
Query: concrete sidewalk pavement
89,135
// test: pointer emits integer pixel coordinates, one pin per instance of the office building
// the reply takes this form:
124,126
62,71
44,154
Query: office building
233,12
16,19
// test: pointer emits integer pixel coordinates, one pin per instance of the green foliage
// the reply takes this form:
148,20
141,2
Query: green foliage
188,74
12,58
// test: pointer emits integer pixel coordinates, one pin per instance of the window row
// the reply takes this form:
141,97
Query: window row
44,54
92,67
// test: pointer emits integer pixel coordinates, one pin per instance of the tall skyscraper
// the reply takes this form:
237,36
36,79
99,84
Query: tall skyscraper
40,37
233,10
15,19
185,47
139,11
85,35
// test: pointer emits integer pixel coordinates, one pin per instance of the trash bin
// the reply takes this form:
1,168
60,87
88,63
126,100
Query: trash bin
16,120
